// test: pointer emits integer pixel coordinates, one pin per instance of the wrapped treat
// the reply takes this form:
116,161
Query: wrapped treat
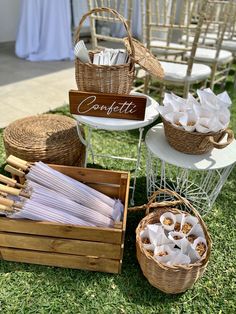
178,222
189,120
195,233
146,241
224,99
179,239
162,253
164,110
215,102
168,221
188,223
154,230
174,118
178,258
203,125
200,246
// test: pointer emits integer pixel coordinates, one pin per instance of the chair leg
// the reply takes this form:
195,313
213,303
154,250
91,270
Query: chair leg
213,74
162,91
146,83
186,89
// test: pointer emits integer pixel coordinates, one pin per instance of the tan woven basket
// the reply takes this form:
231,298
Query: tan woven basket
117,79
195,143
169,279
50,138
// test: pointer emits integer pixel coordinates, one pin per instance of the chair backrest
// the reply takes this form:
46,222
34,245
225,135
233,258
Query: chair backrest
218,21
166,20
105,26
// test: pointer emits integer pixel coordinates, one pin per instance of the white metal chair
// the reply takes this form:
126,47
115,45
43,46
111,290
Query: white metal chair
169,19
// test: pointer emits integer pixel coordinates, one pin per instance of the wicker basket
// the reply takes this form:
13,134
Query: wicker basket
169,279
117,79
50,138
195,143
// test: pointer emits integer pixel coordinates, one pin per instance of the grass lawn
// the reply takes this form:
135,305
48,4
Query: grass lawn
28,288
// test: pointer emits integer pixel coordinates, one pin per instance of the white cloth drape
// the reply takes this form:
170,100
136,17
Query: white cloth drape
44,31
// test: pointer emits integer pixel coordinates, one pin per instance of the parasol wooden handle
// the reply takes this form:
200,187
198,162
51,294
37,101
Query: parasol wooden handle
14,171
7,180
6,202
6,208
17,162
10,190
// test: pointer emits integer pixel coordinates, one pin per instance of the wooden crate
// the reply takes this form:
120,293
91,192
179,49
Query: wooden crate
54,244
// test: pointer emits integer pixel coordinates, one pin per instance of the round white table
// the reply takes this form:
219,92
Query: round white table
108,124
197,177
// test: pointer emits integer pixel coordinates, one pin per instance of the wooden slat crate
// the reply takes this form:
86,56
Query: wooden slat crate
54,244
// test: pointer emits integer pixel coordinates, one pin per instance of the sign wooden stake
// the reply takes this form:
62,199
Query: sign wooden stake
116,106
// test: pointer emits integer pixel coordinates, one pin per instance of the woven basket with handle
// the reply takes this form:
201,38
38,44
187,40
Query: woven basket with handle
194,142
116,79
176,278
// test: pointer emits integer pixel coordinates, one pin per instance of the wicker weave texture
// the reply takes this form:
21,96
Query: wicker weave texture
50,138
195,143
169,279
116,79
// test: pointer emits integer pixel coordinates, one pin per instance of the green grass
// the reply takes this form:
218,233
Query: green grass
28,288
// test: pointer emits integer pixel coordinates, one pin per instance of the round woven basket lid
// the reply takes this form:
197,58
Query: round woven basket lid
145,58
47,137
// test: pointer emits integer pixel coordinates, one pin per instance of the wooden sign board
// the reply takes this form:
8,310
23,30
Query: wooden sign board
116,106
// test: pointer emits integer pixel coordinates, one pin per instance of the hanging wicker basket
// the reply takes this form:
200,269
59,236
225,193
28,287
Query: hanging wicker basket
117,79
169,279
195,143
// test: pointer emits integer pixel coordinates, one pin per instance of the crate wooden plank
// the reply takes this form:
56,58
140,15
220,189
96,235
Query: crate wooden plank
109,190
124,193
106,235
56,245
60,260
90,175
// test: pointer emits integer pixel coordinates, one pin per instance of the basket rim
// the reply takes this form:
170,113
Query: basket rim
193,132
176,267
102,66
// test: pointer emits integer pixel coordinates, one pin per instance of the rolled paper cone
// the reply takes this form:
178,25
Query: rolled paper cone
182,243
168,217
162,253
188,223
178,258
154,231
179,218
196,242
224,98
196,231
150,247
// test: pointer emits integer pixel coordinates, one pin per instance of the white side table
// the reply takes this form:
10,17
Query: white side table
197,177
108,124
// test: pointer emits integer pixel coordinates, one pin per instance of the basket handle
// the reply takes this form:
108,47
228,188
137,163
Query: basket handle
182,200
116,14
230,137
